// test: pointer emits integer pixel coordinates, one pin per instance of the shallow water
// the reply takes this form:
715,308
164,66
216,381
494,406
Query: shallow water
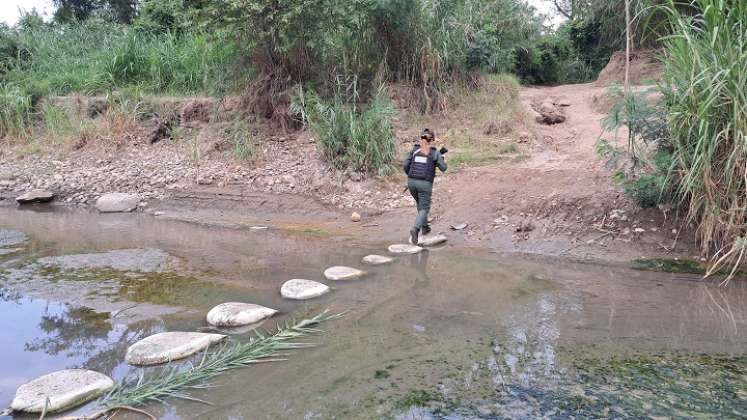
452,333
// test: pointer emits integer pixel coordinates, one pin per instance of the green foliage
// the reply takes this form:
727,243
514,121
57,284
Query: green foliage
643,168
704,85
79,10
160,16
353,137
243,144
99,57
16,112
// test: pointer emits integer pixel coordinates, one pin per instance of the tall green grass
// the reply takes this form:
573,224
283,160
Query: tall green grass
16,112
705,81
94,57
354,136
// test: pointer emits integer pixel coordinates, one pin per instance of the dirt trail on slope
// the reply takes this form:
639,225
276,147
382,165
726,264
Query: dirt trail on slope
560,200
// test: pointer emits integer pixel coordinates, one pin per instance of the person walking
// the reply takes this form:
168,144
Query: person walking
420,166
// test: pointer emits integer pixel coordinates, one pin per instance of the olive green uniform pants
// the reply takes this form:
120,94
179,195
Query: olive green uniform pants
421,191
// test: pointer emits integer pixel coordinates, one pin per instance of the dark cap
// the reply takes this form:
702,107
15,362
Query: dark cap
428,134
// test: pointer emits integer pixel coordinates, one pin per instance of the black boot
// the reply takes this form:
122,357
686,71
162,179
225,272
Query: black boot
425,230
414,236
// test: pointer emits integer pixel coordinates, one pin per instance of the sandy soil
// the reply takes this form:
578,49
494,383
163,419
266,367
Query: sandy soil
559,200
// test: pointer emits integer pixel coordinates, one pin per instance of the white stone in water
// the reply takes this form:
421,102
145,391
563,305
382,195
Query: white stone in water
377,259
237,314
404,249
117,202
342,273
167,346
432,240
300,289
64,389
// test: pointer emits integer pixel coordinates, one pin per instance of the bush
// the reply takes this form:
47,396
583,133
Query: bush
16,112
704,84
96,57
361,140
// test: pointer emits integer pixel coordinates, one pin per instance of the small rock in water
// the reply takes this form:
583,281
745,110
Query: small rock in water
432,240
342,273
117,203
404,249
11,237
35,196
258,228
64,389
459,226
236,314
300,289
377,259
167,346
355,217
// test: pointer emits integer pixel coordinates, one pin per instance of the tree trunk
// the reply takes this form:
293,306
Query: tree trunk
627,46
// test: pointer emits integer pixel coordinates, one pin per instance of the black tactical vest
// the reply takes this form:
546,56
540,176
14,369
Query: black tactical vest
423,167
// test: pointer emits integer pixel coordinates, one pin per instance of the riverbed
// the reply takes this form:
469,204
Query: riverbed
454,332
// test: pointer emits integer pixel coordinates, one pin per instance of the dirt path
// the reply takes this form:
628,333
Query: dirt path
560,200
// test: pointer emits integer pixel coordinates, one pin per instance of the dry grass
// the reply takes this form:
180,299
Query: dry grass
481,127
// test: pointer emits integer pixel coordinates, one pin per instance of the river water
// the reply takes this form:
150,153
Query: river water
454,333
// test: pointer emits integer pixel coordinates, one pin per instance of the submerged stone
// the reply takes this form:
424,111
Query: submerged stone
11,237
237,314
167,346
432,240
404,249
377,259
6,251
64,389
147,260
342,273
117,202
35,196
300,289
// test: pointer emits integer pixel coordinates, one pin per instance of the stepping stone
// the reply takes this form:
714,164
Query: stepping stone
300,289
35,196
167,346
117,203
459,226
404,249
432,240
64,389
377,259
236,314
342,273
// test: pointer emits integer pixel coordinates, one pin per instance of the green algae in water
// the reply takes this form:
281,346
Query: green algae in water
679,386
160,288
685,266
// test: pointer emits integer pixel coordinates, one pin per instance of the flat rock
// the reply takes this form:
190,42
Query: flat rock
377,259
35,196
147,260
237,314
11,237
342,273
300,289
459,226
432,240
404,249
117,202
167,346
64,389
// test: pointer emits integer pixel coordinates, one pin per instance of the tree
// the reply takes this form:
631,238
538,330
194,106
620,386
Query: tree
79,10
